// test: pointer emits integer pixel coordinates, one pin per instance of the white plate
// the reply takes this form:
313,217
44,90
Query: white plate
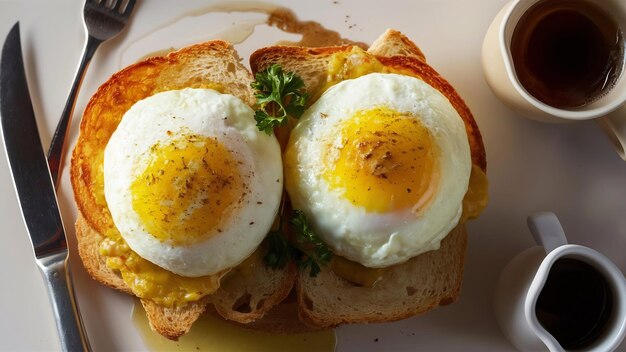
569,169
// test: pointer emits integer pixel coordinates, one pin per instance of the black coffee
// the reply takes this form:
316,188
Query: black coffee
575,304
567,53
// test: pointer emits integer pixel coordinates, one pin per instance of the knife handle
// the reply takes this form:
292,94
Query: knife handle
59,283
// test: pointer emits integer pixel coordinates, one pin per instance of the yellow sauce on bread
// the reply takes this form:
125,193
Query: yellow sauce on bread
477,195
355,272
349,65
149,281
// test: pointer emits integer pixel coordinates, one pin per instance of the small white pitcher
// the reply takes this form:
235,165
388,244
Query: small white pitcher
523,279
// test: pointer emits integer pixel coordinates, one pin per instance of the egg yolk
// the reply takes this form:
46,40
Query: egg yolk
190,187
386,161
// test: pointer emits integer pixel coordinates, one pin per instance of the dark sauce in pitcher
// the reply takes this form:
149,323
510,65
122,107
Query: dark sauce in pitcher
575,304
567,53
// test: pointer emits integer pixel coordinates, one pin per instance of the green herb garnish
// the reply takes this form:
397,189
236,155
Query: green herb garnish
316,252
279,96
280,250
309,252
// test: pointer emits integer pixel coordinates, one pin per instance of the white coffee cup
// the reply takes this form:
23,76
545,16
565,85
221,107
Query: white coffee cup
522,280
609,110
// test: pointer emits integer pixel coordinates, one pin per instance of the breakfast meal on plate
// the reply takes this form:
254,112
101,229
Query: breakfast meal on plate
178,178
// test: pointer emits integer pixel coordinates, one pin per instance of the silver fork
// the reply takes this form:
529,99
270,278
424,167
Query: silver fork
104,19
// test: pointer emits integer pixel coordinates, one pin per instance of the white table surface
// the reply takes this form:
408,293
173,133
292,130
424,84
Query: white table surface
570,169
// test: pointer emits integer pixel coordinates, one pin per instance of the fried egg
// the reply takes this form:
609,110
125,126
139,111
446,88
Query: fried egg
380,165
191,183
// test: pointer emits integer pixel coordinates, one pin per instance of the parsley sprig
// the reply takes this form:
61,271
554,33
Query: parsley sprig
310,252
316,252
280,250
279,96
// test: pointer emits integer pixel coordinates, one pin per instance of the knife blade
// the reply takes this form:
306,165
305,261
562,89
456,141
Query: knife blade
35,192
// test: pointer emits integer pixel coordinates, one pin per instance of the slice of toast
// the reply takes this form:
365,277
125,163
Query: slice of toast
214,64
424,282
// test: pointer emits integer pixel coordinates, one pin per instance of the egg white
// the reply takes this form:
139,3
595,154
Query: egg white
370,238
206,113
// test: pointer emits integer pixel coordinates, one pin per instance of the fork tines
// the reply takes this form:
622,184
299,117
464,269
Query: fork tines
123,7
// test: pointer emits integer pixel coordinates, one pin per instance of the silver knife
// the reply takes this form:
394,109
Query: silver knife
35,192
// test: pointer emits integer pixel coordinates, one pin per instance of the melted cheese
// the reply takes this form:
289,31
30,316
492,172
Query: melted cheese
355,272
149,281
477,195
348,65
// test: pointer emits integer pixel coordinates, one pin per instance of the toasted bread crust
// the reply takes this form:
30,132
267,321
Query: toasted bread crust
173,322
393,43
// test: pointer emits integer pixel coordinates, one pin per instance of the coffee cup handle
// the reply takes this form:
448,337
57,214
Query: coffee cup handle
614,126
546,230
